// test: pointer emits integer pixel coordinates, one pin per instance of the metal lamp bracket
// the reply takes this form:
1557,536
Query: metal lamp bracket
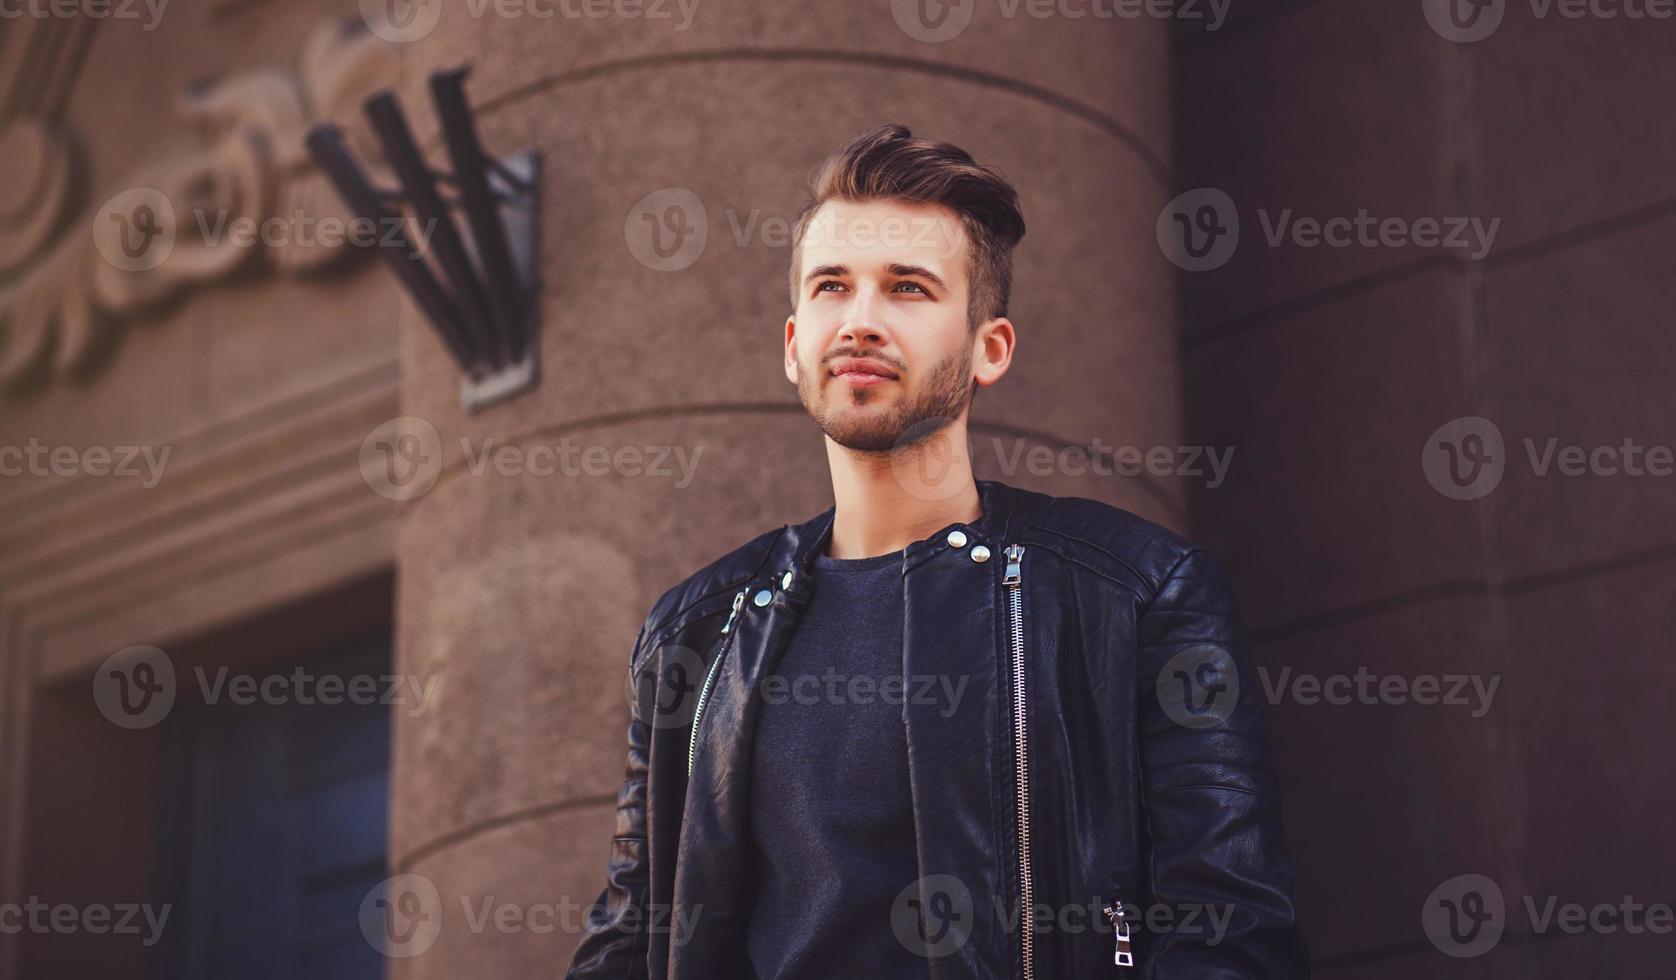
484,306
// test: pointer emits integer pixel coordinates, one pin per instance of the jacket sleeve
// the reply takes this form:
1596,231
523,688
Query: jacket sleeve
1210,799
614,936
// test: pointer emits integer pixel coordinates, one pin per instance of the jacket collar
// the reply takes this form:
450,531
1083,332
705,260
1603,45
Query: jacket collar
1006,512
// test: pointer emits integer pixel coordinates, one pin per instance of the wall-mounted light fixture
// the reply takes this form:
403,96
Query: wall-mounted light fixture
487,314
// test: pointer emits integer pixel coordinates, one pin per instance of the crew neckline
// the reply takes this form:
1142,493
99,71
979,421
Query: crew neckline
827,563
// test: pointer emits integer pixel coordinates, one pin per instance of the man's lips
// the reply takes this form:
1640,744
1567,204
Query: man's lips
860,371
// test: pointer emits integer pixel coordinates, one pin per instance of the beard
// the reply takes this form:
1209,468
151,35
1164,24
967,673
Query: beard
848,417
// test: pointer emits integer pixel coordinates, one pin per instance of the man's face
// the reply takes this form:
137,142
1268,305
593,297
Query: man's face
880,345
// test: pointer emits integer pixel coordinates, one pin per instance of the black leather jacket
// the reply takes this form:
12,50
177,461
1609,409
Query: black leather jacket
1135,798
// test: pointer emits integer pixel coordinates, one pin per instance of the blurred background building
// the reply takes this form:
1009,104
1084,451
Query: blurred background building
239,477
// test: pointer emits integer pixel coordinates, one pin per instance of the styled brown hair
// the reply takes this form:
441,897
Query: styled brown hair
890,164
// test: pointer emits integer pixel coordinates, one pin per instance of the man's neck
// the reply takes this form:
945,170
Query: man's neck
886,501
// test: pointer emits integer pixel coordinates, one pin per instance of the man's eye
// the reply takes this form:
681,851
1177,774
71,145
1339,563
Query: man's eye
821,287
912,285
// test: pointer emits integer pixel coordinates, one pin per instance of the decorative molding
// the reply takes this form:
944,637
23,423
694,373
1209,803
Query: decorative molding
35,193
67,312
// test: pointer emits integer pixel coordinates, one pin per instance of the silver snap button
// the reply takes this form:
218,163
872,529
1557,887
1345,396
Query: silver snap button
763,598
980,553
785,580
957,539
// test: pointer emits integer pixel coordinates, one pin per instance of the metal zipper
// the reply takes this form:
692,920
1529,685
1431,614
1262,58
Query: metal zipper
1014,581
1125,951
709,679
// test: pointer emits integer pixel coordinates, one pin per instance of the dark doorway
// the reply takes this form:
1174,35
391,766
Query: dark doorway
274,818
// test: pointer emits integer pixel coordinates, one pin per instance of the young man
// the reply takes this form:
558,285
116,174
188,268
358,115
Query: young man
863,744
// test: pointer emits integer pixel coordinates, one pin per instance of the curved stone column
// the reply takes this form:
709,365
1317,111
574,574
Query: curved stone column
522,591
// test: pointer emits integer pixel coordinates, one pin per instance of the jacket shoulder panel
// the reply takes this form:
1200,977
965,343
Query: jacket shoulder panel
696,593
1111,541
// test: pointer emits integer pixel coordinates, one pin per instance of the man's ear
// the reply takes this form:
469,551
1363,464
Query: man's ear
791,349
992,350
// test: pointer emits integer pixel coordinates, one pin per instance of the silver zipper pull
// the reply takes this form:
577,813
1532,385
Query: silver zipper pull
738,601
1120,933
1015,555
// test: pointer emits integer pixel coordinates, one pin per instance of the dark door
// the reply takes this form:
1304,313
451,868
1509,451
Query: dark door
273,829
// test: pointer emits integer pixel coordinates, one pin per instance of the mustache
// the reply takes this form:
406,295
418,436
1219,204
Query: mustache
895,364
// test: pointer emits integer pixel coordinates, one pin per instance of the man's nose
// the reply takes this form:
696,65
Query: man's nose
861,334
862,324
